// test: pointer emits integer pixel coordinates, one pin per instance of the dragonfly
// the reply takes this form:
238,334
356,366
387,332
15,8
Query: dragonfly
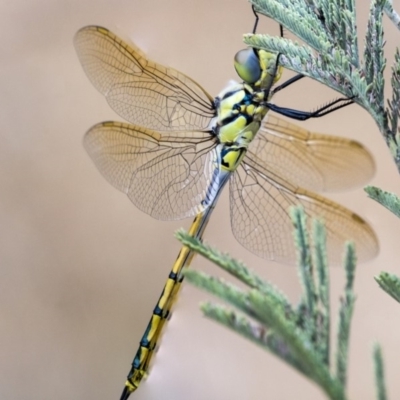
181,146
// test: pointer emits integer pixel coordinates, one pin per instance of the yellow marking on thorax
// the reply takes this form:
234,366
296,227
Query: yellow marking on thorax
225,109
270,72
229,132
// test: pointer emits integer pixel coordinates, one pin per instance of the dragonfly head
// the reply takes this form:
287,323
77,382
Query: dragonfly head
257,67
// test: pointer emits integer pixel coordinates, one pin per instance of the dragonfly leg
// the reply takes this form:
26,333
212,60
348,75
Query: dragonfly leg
320,112
287,83
256,21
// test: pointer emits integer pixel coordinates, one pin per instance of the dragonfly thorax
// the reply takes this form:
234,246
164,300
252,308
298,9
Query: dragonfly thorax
241,107
240,110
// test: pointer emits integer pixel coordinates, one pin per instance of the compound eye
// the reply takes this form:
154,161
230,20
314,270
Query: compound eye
247,65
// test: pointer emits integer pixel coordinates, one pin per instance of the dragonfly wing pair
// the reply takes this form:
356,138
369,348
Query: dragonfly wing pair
282,167
138,89
167,168
165,176
314,161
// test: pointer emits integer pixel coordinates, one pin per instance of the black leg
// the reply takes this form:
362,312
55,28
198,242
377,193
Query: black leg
256,21
304,115
287,83
281,30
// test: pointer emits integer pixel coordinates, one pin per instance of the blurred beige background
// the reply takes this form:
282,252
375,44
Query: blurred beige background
81,267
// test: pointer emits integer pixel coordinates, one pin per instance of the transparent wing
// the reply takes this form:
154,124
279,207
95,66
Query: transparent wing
167,177
139,90
314,161
261,223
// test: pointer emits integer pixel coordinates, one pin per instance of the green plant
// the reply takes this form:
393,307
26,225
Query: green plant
297,333
330,53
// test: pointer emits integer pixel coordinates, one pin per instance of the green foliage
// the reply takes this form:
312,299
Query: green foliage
330,53
379,373
345,315
299,333
388,200
390,284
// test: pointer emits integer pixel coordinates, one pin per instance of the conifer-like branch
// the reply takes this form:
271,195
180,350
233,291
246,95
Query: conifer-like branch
298,334
390,283
379,373
330,54
387,199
